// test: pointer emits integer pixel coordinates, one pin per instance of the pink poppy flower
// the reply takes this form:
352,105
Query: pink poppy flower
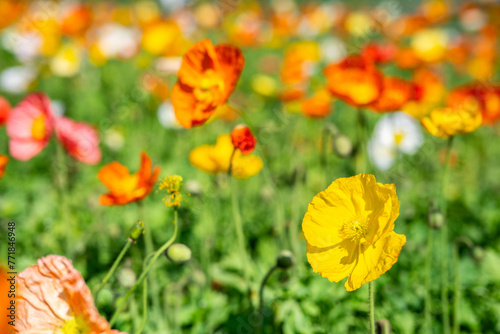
53,298
79,139
29,126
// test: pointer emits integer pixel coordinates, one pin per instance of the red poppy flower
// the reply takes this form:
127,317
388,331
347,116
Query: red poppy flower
243,139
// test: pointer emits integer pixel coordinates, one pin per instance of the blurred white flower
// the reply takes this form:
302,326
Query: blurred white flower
394,132
166,116
168,65
25,46
114,139
17,79
117,41
333,49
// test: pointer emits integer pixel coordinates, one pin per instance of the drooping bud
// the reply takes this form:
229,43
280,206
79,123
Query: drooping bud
136,231
178,253
383,326
243,139
477,253
285,259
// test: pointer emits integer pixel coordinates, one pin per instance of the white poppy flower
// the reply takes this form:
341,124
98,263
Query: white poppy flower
394,132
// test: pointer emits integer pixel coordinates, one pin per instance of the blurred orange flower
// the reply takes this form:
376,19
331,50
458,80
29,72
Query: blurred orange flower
76,21
379,53
53,298
487,96
124,187
10,9
451,121
5,301
4,110
354,80
243,139
3,163
208,75
317,106
429,92
396,93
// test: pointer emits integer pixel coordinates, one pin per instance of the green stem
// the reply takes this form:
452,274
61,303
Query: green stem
456,291
144,306
239,231
114,266
361,153
428,295
261,296
444,243
371,300
145,272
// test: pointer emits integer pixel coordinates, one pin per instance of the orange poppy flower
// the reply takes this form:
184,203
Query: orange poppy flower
429,92
406,58
11,10
487,98
3,163
317,106
395,94
76,21
53,298
355,81
379,53
124,187
208,75
5,302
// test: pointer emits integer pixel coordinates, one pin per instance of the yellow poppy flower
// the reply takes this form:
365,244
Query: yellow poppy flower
451,121
215,159
349,229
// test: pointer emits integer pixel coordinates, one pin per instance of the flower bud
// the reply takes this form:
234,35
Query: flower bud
243,139
136,231
383,326
342,145
477,254
178,253
285,259
436,219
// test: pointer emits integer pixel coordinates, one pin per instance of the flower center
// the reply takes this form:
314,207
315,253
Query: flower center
75,326
398,138
38,130
354,230
209,83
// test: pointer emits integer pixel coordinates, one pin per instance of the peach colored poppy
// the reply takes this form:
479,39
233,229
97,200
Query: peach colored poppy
355,81
53,298
208,75
243,139
79,139
3,163
4,110
29,126
395,94
486,96
124,187
317,106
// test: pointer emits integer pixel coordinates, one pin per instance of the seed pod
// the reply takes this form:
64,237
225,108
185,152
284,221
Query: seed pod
178,253
285,259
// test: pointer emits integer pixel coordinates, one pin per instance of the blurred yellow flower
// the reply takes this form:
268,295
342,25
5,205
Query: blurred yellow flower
451,121
162,38
215,159
66,62
430,45
349,229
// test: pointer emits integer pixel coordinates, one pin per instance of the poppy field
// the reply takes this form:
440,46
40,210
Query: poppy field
237,166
